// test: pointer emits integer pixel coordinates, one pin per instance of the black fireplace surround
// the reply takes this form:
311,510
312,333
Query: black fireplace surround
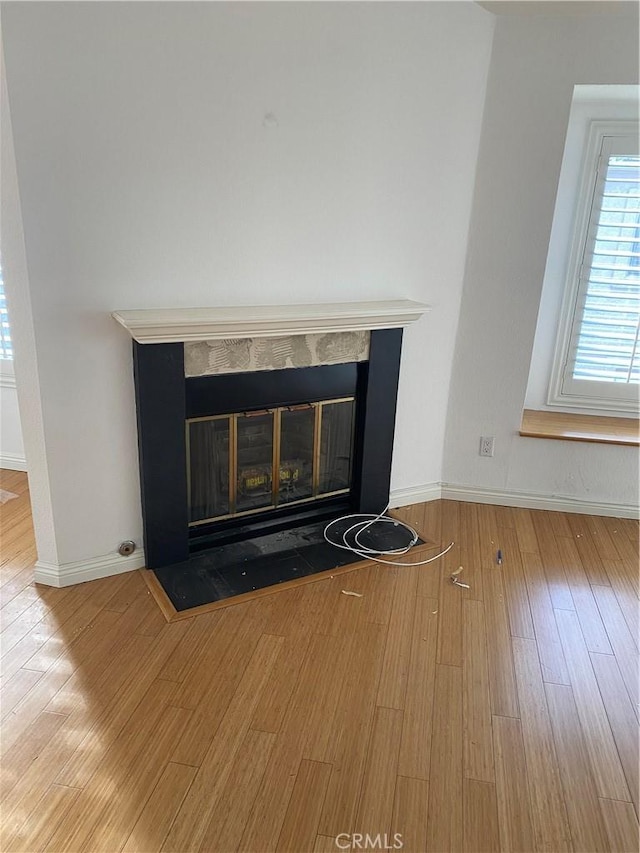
165,399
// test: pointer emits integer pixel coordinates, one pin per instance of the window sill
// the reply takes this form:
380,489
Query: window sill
569,427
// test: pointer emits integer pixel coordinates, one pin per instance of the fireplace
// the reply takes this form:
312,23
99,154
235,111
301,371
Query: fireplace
241,463
225,456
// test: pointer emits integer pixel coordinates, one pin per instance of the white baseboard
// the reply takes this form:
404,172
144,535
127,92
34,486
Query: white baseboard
415,495
13,462
509,497
66,574
534,500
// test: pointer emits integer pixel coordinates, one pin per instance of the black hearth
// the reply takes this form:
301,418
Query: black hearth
227,458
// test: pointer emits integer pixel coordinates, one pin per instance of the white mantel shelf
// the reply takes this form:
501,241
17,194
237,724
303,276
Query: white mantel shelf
176,325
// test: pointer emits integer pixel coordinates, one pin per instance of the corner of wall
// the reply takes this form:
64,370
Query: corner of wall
16,282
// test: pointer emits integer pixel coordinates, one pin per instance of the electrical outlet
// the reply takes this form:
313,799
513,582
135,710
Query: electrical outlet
486,445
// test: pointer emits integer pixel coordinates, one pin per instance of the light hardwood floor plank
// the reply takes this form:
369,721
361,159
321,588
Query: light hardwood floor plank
552,660
481,833
622,826
445,816
525,531
476,700
353,724
470,552
622,719
100,800
154,822
502,681
321,743
264,823
512,790
517,597
395,667
589,556
489,537
305,807
33,704
327,844
603,537
122,690
190,825
415,747
580,793
27,750
628,558
593,629
627,597
410,809
127,804
596,730
450,602
552,564
16,688
238,796
224,674
272,707
37,828
623,645
375,809
548,811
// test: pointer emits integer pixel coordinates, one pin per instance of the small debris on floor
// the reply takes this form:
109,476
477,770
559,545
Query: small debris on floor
457,571
499,557
456,582
355,594
433,612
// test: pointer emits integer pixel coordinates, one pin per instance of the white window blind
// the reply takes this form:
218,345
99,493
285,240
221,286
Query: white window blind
6,345
599,349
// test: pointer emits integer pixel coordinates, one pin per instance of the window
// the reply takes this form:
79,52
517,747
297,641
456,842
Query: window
6,346
597,358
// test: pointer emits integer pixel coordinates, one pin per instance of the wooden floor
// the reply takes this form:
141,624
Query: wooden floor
502,717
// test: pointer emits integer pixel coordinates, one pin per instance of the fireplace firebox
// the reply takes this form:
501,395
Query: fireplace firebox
243,463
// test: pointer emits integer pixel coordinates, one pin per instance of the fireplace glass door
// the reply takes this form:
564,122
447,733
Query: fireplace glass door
249,462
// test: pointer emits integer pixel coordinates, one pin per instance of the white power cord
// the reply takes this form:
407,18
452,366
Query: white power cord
365,521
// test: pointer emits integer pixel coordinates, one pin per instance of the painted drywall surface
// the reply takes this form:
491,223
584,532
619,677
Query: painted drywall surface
535,64
15,277
184,154
11,444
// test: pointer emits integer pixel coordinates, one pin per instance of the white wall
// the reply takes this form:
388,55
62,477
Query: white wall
16,280
11,444
149,177
535,63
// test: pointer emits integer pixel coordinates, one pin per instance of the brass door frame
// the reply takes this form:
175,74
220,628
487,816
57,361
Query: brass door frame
232,417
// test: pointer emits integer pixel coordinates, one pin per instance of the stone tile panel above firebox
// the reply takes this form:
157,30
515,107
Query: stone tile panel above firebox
242,355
